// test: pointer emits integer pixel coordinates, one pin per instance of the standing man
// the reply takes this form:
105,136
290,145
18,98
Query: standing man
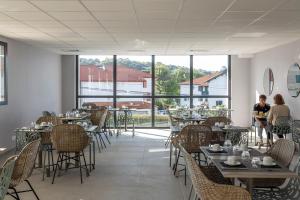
260,111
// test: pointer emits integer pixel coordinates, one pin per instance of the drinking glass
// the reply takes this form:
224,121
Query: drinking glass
245,155
227,145
255,161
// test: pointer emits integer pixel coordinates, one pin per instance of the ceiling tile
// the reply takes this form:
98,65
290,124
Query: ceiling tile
34,16
283,15
76,16
115,15
205,5
241,15
254,5
74,24
59,5
290,5
157,15
157,5
16,6
108,5
44,24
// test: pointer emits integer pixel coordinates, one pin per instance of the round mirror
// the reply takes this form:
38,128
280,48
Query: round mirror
268,81
293,80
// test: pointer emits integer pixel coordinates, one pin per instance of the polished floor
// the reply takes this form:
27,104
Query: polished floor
131,168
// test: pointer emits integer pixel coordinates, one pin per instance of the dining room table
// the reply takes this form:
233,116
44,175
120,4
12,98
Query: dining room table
126,112
28,134
74,118
245,168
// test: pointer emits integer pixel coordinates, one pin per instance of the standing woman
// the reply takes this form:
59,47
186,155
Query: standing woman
279,109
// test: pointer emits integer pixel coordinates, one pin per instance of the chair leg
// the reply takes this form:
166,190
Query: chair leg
106,137
95,135
184,175
176,163
58,159
191,190
15,192
101,140
78,157
133,130
27,181
52,159
86,167
44,165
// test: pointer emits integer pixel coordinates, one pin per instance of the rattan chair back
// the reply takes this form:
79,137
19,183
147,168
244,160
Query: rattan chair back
211,121
69,138
24,163
98,117
282,151
5,175
46,136
195,136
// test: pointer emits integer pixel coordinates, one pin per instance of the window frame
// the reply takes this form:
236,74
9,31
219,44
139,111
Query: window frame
5,102
154,96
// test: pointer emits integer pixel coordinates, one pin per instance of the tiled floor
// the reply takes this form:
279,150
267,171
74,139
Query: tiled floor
133,168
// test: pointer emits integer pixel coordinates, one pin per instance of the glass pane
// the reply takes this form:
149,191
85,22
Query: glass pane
134,75
98,101
95,75
2,74
172,75
210,75
140,111
211,106
161,106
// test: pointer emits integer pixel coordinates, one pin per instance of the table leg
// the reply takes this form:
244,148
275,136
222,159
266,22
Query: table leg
40,159
250,185
94,154
90,156
171,149
125,113
77,161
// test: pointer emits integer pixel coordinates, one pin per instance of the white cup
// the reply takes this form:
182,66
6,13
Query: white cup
231,159
227,126
267,160
221,124
217,124
77,115
60,115
37,126
43,124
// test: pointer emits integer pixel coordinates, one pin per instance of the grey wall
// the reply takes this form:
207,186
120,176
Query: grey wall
278,59
68,82
240,89
34,84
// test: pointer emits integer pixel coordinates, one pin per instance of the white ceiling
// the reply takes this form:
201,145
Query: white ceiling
152,26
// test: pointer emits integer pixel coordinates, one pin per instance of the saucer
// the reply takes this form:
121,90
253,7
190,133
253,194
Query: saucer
232,164
216,150
271,164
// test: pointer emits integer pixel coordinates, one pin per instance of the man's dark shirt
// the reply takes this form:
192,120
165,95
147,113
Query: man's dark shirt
264,109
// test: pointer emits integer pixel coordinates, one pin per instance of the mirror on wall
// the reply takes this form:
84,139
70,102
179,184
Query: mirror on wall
293,80
268,81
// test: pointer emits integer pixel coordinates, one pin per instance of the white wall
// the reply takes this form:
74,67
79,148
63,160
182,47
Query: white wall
34,85
240,91
278,59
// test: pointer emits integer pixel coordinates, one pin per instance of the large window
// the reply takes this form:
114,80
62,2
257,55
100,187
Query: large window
152,84
3,81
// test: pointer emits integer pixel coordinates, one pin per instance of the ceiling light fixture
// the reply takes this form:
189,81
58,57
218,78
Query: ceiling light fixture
249,35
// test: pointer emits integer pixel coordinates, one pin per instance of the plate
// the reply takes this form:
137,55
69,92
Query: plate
273,164
232,164
216,150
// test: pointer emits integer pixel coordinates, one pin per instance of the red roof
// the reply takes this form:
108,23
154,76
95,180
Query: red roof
203,80
93,73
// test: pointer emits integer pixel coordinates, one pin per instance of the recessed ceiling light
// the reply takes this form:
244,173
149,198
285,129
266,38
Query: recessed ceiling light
249,35
71,50
199,50
136,50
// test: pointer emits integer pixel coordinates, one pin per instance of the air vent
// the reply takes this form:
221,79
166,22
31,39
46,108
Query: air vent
71,50
136,50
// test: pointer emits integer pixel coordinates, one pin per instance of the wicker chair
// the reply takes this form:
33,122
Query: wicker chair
282,151
192,137
174,123
23,168
5,175
46,143
289,192
295,131
68,139
208,190
98,119
282,126
211,121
